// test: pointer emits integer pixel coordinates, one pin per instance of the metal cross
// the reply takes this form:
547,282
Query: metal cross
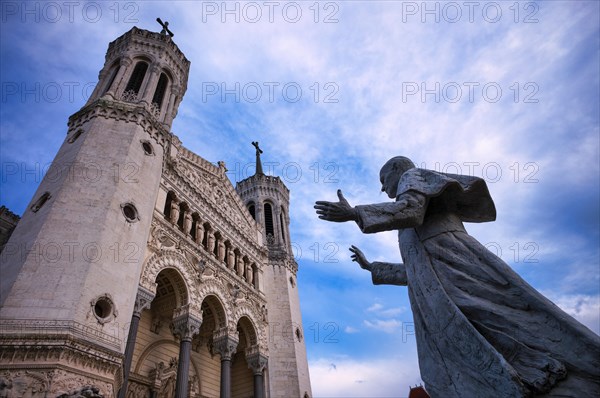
258,150
165,27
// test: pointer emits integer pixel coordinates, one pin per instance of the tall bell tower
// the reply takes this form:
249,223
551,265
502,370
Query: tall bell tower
69,272
268,200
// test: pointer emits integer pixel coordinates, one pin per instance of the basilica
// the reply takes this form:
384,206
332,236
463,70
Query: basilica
156,277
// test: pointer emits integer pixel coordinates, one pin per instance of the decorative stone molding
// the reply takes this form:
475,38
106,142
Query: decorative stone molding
129,96
256,360
254,312
185,324
143,299
52,383
169,259
224,343
117,110
103,308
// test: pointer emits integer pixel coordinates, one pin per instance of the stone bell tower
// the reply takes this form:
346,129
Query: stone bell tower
268,200
70,271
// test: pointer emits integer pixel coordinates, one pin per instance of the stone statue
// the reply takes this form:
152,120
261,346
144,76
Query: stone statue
210,244
187,222
174,212
199,232
481,330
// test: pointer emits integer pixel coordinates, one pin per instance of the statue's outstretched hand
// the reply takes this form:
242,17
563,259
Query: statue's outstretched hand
336,211
360,258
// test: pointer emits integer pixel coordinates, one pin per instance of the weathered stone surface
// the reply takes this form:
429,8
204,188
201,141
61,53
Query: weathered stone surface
481,330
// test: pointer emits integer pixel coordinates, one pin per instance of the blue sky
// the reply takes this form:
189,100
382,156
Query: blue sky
506,91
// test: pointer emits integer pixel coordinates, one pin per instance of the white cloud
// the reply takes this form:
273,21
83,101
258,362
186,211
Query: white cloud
363,378
584,308
387,326
350,330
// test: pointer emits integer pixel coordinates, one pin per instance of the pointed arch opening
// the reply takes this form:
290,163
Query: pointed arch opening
161,88
112,74
137,77
269,230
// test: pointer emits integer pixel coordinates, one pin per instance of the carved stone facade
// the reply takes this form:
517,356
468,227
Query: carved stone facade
168,290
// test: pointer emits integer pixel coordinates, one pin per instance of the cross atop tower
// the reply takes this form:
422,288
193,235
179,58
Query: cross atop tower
259,169
165,27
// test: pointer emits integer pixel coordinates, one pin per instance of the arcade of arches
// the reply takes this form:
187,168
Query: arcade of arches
176,353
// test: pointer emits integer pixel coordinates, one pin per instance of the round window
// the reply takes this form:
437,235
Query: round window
148,149
104,309
130,212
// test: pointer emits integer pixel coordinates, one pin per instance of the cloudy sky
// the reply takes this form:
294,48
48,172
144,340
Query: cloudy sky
506,91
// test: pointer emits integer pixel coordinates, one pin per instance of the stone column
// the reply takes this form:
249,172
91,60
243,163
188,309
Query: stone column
172,98
257,362
150,86
142,301
225,345
185,326
118,84
104,73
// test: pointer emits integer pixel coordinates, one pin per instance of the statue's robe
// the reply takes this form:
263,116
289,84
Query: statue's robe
481,330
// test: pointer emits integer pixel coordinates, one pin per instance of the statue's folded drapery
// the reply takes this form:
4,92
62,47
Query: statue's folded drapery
473,314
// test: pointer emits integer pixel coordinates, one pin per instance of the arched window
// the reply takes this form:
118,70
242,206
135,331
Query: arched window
281,218
161,87
113,75
137,77
269,220
252,210
167,209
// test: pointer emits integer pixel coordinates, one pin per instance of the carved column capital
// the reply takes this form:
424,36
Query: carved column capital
224,344
125,62
256,360
142,301
185,324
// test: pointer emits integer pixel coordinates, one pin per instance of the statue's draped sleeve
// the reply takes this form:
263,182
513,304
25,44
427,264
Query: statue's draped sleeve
420,190
406,212
388,274
466,196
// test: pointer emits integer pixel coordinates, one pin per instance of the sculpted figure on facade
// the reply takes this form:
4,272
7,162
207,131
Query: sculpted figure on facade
230,258
210,241
240,266
174,211
481,330
187,222
249,274
221,250
199,232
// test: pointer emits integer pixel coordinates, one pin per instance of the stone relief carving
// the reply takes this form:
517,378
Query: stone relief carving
137,390
54,383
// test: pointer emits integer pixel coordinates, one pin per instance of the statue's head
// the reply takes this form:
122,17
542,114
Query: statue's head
391,172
